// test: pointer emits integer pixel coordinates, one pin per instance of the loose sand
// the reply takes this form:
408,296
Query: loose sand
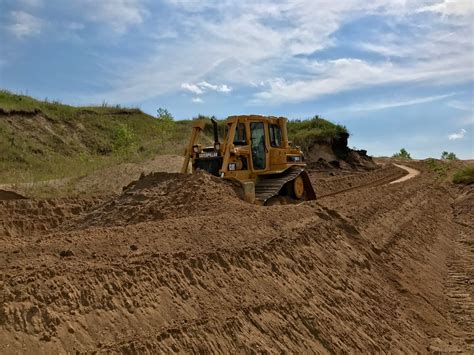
178,263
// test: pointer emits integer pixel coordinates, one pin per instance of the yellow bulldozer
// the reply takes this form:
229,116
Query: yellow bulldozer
255,153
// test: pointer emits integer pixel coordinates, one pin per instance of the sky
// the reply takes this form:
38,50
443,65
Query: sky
396,73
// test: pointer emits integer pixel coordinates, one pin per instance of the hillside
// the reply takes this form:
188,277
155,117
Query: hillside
43,140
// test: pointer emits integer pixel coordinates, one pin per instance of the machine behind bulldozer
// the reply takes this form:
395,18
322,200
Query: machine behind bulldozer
255,153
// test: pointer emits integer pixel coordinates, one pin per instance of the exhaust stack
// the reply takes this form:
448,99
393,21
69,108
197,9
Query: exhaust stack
214,125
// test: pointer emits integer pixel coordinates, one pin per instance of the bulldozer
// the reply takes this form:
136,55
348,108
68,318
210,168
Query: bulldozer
256,154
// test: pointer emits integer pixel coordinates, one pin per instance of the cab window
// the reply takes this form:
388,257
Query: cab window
240,138
257,137
275,135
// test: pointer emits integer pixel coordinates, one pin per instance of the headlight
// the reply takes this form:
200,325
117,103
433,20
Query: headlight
232,166
195,149
293,158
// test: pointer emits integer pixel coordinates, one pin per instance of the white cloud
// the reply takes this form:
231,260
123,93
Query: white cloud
204,86
461,105
391,104
245,42
458,135
24,24
197,100
450,7
192,87
335,76
117,15
218,88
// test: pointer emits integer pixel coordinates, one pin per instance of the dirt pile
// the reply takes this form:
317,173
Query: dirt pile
160,196
334,153
179,264
26,217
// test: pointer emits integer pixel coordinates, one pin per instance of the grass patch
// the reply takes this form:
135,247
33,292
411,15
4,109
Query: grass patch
42,140
464,175
437,167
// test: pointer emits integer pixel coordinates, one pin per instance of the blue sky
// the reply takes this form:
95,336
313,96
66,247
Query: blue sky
397,73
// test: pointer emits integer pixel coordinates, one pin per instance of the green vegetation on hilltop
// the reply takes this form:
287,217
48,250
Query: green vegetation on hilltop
402,154
42,140
304,132
448,156
452,170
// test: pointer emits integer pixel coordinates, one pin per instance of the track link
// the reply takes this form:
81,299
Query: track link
270,186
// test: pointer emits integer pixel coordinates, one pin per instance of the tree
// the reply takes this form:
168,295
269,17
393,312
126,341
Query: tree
449,156
164,114
403,154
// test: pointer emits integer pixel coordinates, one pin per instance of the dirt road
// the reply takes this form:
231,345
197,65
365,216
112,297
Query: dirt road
179,263
411,174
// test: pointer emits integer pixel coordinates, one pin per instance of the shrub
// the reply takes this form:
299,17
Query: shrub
464,175
403,154
124,137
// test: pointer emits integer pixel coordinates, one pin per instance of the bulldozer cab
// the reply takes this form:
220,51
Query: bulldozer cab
255,150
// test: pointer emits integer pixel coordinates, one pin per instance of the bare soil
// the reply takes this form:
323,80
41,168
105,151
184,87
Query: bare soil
178,263
103,182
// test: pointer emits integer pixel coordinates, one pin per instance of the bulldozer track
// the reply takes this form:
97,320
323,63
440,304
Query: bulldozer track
267,188
270,187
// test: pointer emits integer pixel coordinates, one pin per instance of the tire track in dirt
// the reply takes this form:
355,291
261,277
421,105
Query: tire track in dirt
242,281
425,254
460,280
181,264
331,187
459,285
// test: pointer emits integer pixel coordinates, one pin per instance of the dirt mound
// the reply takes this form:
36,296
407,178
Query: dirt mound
24,217
334,153
10,195
159,196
